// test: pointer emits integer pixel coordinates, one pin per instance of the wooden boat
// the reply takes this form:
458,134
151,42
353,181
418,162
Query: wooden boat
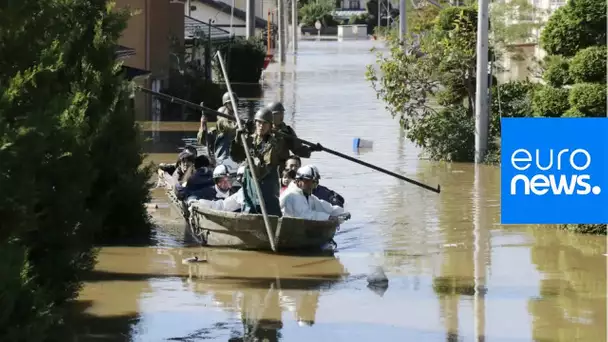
248,231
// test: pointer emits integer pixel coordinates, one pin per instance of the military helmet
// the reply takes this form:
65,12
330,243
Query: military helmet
186,155
191,149
264,115
226,98
221,171
276,107
305,172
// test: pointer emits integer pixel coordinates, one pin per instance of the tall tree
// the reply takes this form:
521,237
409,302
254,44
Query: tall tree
70,156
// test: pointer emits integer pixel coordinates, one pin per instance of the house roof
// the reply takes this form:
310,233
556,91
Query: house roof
238,13
196,28
123,51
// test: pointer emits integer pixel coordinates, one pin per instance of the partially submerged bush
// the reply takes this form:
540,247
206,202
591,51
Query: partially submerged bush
599,229
244,59
550,102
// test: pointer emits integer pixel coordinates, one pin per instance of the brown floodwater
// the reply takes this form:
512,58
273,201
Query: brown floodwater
454,272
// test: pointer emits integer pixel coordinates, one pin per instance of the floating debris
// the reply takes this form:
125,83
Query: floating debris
193,260
377,277
380,290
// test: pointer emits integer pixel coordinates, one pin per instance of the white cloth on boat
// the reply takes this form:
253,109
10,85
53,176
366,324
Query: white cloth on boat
295,204
231,203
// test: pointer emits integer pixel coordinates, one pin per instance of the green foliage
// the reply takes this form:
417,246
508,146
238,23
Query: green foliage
550,102
358,19
317,10
452,18
574,26
557,71
589,98
70,153
598,229
574,113
244,60
589,65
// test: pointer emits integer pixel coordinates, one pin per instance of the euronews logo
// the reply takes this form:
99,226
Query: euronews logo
556,173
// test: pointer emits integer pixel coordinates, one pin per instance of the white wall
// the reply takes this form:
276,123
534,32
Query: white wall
204,12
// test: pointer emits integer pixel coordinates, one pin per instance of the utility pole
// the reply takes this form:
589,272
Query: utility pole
481,90
250,20
379,2
402,23
294,26
281,22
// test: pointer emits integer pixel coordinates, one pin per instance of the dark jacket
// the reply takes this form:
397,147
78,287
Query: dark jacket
201,179
328,195
209,193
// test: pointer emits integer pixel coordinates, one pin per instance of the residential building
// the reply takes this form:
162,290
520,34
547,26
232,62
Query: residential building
528,52
154,27
224,16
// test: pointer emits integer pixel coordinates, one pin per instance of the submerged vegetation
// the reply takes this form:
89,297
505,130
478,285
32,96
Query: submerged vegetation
70,155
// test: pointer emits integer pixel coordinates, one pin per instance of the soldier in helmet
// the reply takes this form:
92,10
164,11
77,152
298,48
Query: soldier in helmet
224,130
265,153
285,132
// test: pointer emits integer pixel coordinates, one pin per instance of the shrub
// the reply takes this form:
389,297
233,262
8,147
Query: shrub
574,26
451,17
589,65
447,134
244,60
599,229
70,154
316,10
550,102
574,113
557,71
589,98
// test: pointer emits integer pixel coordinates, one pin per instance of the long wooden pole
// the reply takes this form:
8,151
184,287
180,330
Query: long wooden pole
336,153
248,156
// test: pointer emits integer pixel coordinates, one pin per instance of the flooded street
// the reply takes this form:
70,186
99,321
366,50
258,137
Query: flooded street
454,273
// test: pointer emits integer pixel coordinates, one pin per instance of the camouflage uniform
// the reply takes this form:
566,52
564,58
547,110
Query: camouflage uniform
265,153
223,134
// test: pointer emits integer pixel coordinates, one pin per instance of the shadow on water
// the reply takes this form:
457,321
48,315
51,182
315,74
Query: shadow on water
87,327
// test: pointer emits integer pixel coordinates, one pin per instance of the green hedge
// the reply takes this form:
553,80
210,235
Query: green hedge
557,71
550,101
589,65
589,98
599,229
244,59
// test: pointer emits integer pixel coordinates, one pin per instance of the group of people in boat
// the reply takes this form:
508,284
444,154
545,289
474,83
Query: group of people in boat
287,187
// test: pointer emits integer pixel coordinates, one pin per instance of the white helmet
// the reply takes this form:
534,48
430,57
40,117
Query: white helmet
241,170
306,172
221,171
317,174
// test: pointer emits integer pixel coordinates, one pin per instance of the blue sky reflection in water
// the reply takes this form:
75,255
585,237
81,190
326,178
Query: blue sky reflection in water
541,284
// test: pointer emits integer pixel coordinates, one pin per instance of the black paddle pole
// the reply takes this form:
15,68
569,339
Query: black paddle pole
330,151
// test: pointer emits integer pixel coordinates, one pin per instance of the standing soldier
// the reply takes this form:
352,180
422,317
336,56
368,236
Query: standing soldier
265,154
286,133
223,134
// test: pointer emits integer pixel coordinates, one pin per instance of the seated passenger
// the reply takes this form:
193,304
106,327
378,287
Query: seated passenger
221,188
298,200
184,167
287,177
201,178
324,193
293,163
240,172
233,203
170,168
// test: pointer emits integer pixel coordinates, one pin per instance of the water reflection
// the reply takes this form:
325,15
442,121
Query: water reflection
571,305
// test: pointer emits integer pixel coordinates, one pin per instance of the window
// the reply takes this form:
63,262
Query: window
354,4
